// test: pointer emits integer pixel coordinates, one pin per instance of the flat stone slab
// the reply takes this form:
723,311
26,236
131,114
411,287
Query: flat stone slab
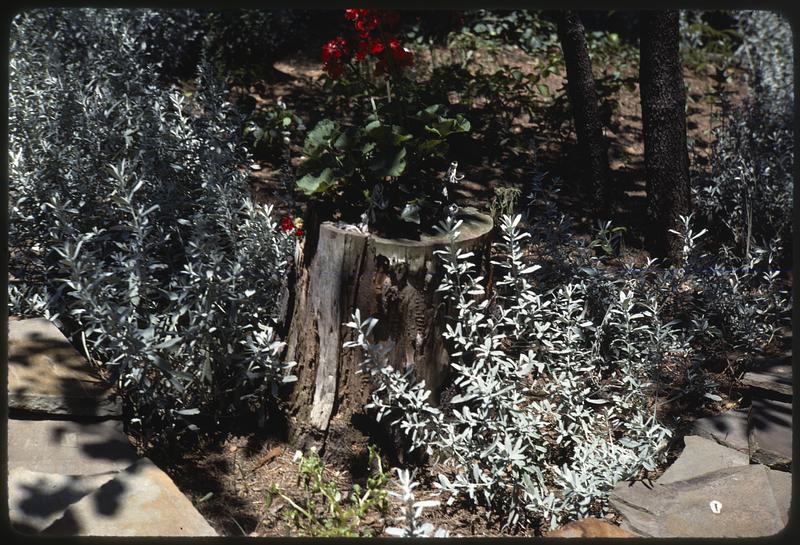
47,375
749,507
729,429
68,448
702,456
140,501
781,483
771,375
36,500
770,433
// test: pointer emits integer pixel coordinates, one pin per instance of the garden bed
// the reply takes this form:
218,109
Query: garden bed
556,307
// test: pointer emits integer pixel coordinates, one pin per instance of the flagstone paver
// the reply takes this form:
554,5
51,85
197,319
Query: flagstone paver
701,456
72,469
47,375
770,433
37,499
748,504
68,447
140,501
771,376
728,429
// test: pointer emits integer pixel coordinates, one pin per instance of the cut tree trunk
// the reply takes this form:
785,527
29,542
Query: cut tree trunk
393,280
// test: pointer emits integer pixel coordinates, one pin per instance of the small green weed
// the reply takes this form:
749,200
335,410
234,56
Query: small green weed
324,510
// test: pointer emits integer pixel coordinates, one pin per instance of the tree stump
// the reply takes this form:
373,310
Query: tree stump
393,280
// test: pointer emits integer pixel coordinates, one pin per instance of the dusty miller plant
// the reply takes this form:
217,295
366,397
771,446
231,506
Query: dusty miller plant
552,407
747,197
409,517
131,224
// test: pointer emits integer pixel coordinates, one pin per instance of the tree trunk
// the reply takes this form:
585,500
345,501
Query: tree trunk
586,112
393,280
664,124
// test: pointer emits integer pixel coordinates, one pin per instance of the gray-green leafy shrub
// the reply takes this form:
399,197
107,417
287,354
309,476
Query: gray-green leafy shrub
558,372
746,200
410,511
737,302
132,225
553,406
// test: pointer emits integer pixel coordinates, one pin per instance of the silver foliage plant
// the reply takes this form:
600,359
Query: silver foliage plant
557,373
131,223
409,519
554,404
749,193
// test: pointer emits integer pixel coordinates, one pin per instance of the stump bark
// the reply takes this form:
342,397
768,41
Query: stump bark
393,280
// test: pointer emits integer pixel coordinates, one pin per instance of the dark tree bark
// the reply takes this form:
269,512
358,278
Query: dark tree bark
586,112
664,125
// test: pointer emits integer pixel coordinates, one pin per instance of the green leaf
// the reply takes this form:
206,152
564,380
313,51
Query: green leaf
345,140
206,497
429,114
399,138
446,127
435,147
387,164
398,164
320,135
368,147
310,184
372,125
543,89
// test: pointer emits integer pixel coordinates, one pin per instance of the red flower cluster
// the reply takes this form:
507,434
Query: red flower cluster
365,20
373,40
398,56
287,224
332,56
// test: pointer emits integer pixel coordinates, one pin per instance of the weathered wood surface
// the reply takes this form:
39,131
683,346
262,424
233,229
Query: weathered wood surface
395,281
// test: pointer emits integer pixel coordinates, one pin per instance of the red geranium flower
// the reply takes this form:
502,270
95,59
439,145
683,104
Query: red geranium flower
400,55
363,49
335,49
299,233
369,46
365,20
388,50
353,14
287,224
333,54
377,48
